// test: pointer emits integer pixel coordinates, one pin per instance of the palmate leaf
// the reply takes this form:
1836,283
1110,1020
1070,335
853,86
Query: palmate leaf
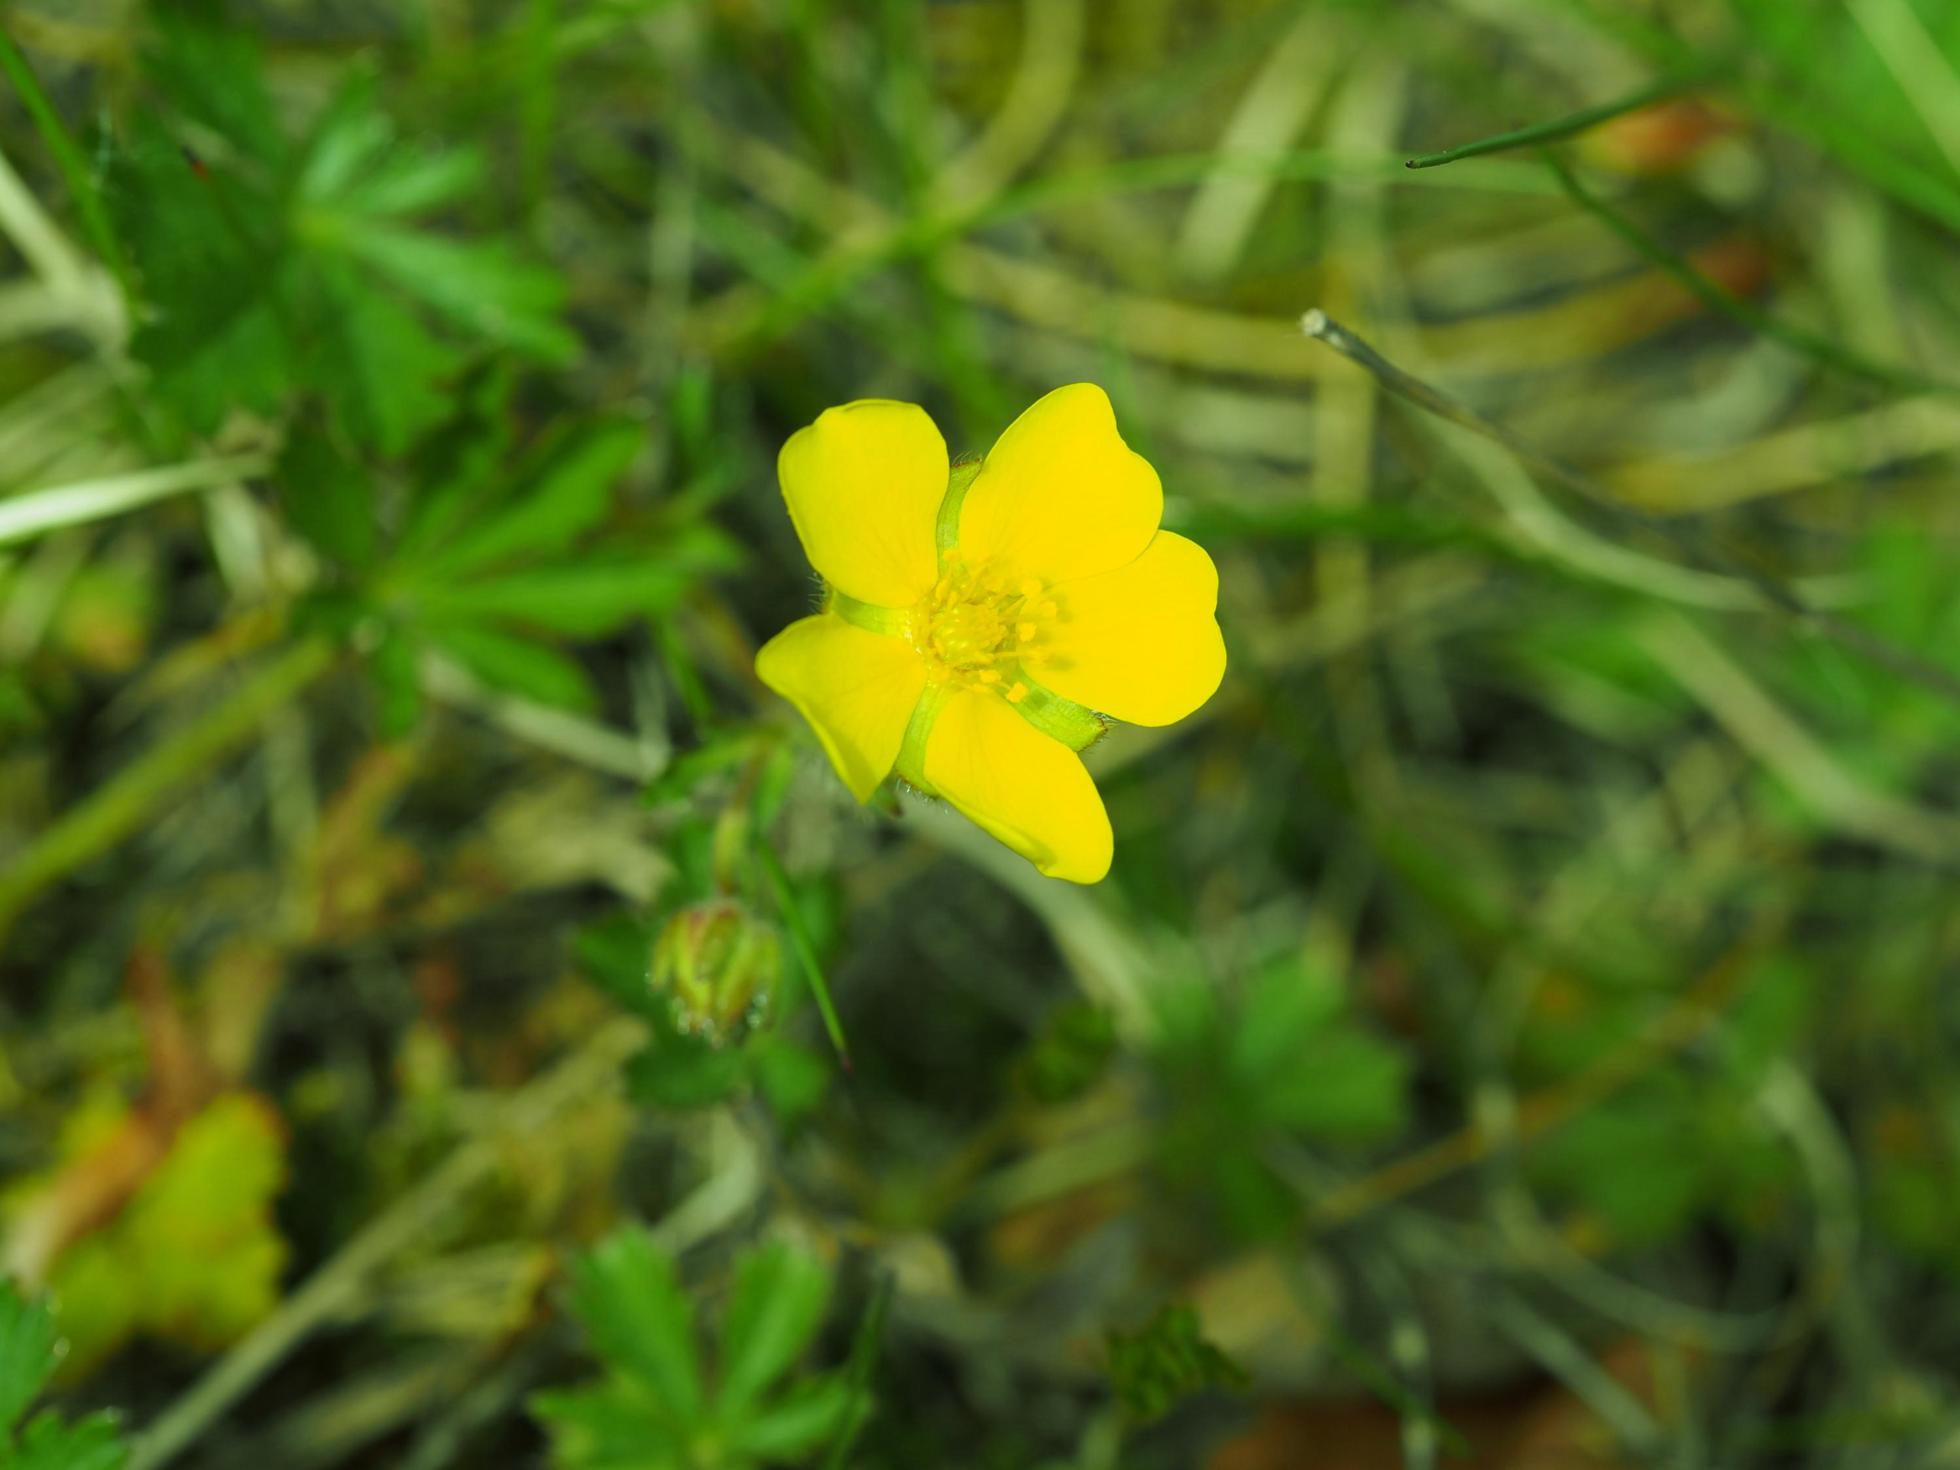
779,1300
274,267
516,664
805,1418
26,1353
27,1360
640,1322
563,492
606,1427
650,1410
93,1443
386,368
481,286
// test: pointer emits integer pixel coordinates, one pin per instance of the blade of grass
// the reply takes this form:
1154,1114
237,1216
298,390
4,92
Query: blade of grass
1717,297
857,1372
1578,122
68,158
806,951
59,506
1775,595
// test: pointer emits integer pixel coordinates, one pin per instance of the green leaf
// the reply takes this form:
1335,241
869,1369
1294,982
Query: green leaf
328,498
587,599
566,492
26,1353
479,285
205,251
792,1079
1638,1160
380,368
682,1073
395,667
407,182
351,135
210,70
1344,1084
514,664
1168,1361
795,1425
606,1427
93,1443
615,955
1285,1005
640,1322
778,1303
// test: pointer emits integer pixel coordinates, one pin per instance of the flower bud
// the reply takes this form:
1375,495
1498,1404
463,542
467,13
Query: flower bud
719,966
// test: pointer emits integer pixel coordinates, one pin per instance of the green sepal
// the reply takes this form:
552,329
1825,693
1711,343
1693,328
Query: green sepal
868,615
946,532
1075,725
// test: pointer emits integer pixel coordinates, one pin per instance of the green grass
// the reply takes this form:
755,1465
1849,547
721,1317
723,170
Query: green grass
1518,1011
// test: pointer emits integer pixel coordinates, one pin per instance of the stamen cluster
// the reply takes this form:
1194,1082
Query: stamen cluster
979,625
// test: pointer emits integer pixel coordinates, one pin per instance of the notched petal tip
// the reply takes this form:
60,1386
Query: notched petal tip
1060,494
863,485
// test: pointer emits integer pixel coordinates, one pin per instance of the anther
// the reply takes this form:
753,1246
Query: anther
1018,693
1024,632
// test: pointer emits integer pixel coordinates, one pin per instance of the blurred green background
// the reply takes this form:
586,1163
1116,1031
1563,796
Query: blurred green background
1519,1029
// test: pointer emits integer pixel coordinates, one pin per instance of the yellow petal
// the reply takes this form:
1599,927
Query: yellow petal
856,689
863,484
1142,642
1019,785
1060,494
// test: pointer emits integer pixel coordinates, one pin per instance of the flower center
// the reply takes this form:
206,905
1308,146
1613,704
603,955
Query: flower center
978,625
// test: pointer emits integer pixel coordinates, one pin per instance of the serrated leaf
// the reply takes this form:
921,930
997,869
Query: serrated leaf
210,70
479,285
605,1427
94,1443
26,1353
379,367
408,182
562,496
515,664
352,134
809,1415
639,1320
778,1302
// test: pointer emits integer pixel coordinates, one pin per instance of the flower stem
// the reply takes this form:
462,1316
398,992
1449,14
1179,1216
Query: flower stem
157,777
1578,122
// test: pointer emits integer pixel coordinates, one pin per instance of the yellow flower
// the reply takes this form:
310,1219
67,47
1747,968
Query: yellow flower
979,623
